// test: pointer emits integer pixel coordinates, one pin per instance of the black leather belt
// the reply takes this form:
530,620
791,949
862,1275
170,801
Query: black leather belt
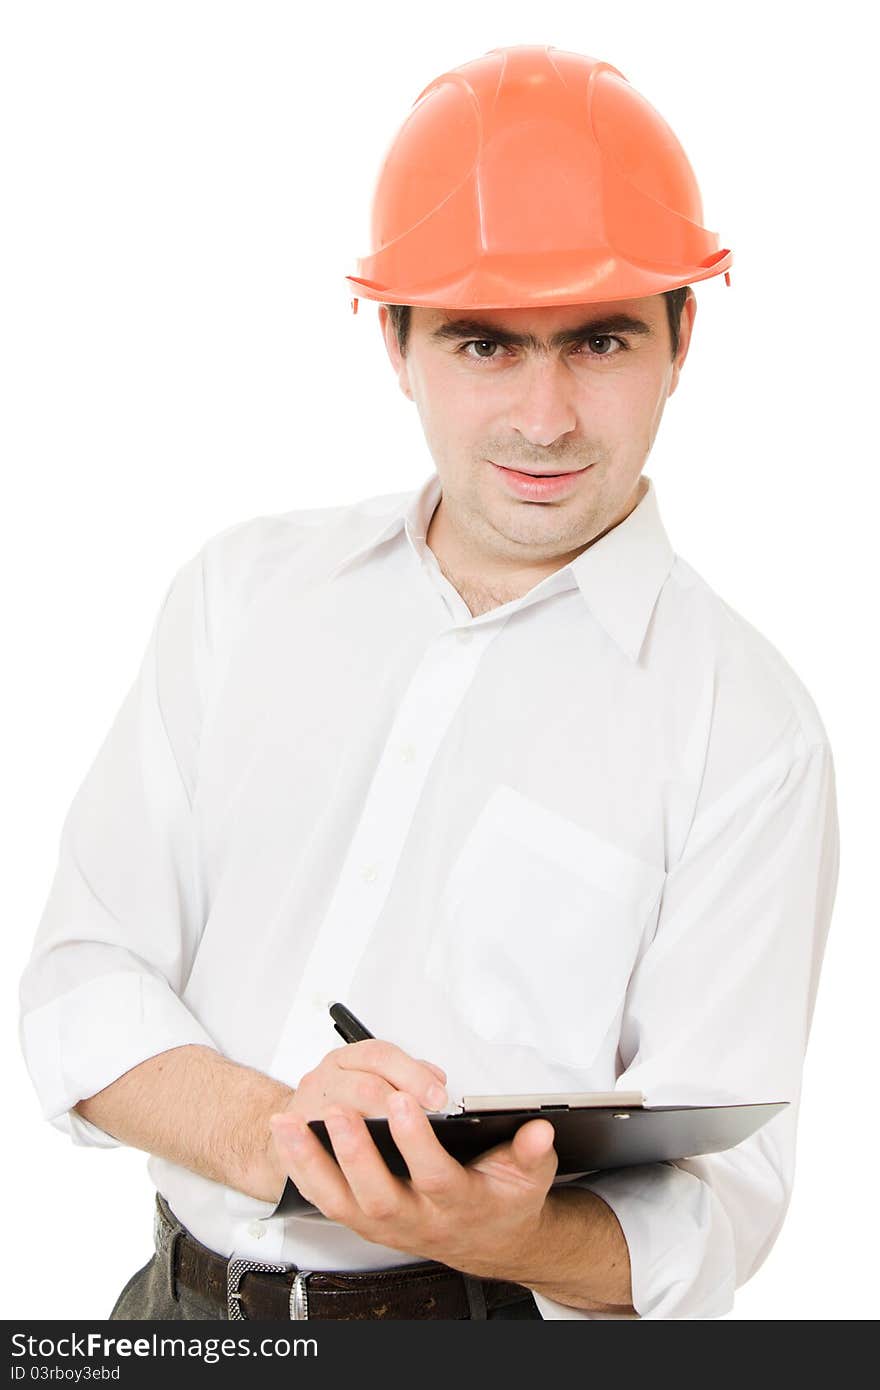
259,1291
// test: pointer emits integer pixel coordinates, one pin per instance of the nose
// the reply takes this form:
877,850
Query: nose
542,410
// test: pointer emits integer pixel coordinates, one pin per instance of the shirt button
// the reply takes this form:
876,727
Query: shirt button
464,635
257,1230
370,873
408,753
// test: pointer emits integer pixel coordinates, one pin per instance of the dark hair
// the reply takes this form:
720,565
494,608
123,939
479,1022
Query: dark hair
675,302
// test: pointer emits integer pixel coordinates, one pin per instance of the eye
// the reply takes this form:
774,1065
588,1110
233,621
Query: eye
605,338
480,343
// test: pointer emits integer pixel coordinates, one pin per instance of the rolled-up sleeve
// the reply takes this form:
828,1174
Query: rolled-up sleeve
115,944
718,1011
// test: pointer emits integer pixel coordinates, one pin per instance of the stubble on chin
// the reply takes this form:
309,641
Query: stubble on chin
513,531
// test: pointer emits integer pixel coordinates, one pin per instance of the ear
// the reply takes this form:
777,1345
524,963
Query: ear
392,347
688,314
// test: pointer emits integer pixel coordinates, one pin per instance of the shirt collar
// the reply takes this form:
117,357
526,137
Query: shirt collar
620,575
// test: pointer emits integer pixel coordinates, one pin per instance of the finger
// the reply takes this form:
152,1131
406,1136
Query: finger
362,1091
528,1158
378,1193
405,1073
532,1146
438,1071
433,1172
311,1168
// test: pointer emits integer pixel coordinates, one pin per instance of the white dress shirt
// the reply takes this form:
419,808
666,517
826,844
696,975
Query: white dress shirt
586,840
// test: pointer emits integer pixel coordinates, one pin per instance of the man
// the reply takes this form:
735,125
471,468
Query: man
486,761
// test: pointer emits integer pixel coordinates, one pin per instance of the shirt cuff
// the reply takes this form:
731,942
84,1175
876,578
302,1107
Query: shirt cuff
82,1132
681,1246
79,1043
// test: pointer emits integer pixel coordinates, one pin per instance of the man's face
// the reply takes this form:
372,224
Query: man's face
588,404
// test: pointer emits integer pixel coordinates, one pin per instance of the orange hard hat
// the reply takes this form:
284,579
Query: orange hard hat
533,176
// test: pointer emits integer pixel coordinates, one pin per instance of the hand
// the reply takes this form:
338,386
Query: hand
484,1218
362,1077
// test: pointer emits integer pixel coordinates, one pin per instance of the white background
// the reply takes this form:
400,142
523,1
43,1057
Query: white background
185,186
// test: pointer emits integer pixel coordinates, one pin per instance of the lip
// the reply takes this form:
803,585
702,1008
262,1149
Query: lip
535,487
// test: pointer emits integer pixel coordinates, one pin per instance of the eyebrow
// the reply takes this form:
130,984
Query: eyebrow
459,328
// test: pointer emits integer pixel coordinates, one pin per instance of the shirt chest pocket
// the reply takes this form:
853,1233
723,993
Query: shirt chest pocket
538,928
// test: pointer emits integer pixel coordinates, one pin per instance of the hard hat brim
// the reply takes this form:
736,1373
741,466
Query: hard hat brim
574,279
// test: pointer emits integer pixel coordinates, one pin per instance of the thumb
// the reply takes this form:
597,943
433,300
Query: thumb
533,1145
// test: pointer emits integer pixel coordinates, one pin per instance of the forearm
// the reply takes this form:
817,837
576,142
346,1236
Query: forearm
194,1107
582,1259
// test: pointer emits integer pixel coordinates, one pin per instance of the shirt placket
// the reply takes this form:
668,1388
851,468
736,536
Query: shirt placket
423,717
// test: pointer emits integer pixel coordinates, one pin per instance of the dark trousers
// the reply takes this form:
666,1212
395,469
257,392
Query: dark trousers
147,1297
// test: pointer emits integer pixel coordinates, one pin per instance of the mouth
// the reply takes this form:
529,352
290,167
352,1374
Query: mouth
530,473
537,487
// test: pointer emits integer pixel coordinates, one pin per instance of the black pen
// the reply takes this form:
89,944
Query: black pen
350,1029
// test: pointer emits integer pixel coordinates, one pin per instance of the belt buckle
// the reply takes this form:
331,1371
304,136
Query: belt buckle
236,1270
299,1296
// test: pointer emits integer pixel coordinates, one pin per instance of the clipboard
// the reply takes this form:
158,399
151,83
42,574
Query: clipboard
592,1132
